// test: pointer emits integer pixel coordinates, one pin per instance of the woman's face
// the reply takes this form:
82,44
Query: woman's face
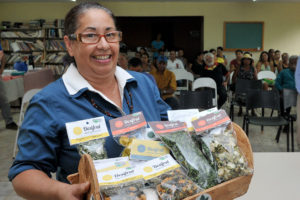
264,57
144,58
95,60
246,62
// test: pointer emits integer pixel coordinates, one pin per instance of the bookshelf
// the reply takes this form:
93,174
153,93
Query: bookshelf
45,45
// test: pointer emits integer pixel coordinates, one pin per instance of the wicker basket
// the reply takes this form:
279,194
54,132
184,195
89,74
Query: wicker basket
225,191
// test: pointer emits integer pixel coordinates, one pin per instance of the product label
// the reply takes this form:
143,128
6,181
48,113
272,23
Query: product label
210,121
183,116
117,176
127,123
147,149
159,166
111,164
161,127
188,115
86,130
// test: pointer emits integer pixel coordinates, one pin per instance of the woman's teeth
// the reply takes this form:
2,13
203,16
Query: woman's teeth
102,57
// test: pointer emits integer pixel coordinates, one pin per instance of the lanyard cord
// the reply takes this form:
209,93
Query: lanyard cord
92,101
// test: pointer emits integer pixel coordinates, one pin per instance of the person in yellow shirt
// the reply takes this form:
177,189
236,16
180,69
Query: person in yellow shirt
166,82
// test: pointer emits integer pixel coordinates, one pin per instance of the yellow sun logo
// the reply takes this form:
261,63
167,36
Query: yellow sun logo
148,169
77,130
107,177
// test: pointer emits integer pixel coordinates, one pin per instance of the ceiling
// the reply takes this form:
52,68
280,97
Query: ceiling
271,1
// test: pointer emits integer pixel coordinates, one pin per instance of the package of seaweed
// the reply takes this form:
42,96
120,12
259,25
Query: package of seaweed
89,136
167,177
216,136
125,128
186,152
123,183
187,116
111,164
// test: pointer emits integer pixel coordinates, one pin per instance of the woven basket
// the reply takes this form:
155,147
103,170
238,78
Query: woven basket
225,191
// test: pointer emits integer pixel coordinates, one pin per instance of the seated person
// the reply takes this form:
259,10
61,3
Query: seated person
173,62
264,64
286,79
123,60
182,58
166,82
221,57
244,71
216,71
198,64
135,64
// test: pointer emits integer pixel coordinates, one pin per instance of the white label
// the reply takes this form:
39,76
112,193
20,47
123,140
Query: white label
86,130
159,166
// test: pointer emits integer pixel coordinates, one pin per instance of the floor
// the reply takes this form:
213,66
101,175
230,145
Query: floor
261,142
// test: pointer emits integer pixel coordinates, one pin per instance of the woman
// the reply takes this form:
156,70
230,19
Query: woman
146,65
245,71
265,65
277,62
92,86
285,61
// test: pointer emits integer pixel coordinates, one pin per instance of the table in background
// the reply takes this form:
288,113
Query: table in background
14,88
37,79
276,177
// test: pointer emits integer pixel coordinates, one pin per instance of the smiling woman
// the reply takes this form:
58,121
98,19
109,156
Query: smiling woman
93,86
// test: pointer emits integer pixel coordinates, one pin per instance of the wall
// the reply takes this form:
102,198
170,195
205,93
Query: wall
282,27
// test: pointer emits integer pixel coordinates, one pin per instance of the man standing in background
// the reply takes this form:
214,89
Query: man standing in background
4,104
297,79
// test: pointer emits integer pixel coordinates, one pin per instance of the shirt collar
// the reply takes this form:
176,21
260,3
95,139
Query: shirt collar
74,82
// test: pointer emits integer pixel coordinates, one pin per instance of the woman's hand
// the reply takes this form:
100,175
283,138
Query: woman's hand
74,192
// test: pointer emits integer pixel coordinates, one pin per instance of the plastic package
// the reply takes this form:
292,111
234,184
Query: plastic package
89,136
122,182
186,152
125,128
166,176
219,145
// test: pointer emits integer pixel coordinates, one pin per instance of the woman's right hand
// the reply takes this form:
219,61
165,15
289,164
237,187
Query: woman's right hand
75,191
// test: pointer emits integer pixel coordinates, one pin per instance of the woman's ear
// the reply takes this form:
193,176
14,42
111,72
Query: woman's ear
68,43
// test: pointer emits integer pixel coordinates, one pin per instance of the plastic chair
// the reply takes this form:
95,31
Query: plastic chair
25,102
206,82
266,74
241,88
187,77
264,99
196,99
289,101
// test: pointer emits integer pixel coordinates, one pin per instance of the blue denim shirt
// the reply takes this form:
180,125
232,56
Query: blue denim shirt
43,141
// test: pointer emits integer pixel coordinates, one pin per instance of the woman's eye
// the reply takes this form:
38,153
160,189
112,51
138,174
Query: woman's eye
110,35
90,35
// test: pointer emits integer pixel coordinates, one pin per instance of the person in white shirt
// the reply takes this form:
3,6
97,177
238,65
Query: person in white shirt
173,62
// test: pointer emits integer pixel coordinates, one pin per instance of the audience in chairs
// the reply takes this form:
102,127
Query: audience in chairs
244,71
216,71
264,64
173,62
166,82
286,79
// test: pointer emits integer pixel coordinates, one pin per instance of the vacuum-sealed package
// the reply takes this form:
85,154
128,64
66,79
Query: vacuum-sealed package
111,164
89,136
187,116
186,152
125,128
217,138
144,150
170,181
123,183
